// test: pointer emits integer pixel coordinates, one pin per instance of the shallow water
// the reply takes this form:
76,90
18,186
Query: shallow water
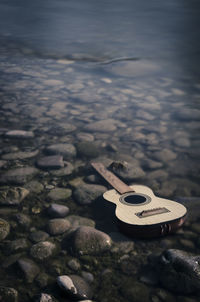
123,77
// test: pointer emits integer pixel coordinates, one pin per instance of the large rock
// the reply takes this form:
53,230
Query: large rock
88,240
87,193
50,162
18,176
58,226
28,268
65,149
43,250
179,271
75,287
12,196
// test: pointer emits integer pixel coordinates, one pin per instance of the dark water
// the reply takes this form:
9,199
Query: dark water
122,76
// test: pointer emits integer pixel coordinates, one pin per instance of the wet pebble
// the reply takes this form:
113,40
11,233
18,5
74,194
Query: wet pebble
43,250
84,136
74,264
18,176
88,149
108,125
165,155
87,276
50,162
75,287
12,196
8,294
19,155
28,268
34,186
19,134
44,298
77,221
58,226
67,170
23,220
88,240
66,150
38,236
58,211
87,193
2,163
59,194
4,229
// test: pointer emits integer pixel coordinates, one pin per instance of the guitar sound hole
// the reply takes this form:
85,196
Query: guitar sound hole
135,199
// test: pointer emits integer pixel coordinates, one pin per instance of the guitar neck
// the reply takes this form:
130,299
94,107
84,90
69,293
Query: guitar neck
112,179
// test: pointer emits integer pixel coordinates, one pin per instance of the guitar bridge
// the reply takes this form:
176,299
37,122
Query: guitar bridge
151,212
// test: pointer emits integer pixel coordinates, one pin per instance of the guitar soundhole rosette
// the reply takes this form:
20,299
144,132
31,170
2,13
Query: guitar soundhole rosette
134,199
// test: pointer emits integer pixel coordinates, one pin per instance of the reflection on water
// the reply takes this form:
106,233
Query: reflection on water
84,81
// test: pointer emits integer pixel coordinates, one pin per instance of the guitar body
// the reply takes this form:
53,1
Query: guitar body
141,214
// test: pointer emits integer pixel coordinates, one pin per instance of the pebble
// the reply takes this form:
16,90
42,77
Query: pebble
23,220
165,155
19,155
4,229
108,125
57,210
88,149
66,150
43,250
75,287
19,134
50,162
28,268
16,246
8,294
2,163
12,196
58,226
87,193
88,240
59,194
127,171
18,176
45,298
87,276
74,264
84,136
34,186
38,236
67,170
77,221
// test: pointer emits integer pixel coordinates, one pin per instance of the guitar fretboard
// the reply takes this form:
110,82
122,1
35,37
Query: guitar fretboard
112,179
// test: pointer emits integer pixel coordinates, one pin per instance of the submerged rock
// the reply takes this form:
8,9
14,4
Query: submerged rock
108,125
179,271
88,149
75,287
88,240
19,134
127,171
45,298
59,194
12,196
57,210
87,193
8,294
77,221
4,229
38,236
58,226
28,268
18,176
67,150
20,155
43,250
50,162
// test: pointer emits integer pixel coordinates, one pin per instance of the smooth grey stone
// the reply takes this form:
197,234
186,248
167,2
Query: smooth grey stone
12,196
19,134
108,125
59,194
58,210
179,271
58,226
18,176
20,155
88,149
88,240
87,276
45,298
29,269
188,114
16,246
4,229
77,221
182,142
34,186
65,149
127,171
87,193
8,294
67,170
84,136
74,286
38,236
43,250
50,162
164,155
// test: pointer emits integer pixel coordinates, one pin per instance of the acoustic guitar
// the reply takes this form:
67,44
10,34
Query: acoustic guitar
139,212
